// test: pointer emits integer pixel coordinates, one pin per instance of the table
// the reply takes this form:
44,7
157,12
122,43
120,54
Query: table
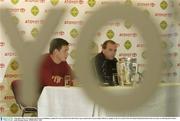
72,102
64,102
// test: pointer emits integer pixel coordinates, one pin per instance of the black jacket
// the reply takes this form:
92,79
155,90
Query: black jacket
105,69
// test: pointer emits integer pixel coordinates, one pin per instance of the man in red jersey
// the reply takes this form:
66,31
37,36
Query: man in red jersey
54,68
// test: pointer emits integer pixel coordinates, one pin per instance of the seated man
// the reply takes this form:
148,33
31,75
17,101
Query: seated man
105,63
54,68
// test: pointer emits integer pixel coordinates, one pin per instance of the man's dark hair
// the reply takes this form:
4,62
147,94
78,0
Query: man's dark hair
57,43
104,45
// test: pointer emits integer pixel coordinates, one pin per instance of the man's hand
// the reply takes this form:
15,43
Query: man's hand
57,79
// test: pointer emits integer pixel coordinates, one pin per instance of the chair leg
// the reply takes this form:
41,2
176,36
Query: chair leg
23,113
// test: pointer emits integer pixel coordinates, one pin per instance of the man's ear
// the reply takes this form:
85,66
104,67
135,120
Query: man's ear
56,50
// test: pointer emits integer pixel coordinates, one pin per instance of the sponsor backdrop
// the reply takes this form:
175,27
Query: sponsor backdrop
29,16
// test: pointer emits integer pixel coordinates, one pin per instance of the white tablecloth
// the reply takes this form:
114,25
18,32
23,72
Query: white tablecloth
72,102
64,102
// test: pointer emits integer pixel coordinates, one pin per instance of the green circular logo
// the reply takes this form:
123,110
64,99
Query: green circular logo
128,45
15,19
54,2
127,24
91,3
164,5
35,10
74,33
34,32
14,108
163,25
128,2
74,12
110,34
14,65
14,1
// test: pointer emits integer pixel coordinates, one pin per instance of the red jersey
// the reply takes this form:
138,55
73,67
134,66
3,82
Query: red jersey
49,69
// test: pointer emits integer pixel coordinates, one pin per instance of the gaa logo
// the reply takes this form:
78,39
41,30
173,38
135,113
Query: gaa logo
110,34
147,12
163,5
14,108
35,10
73,54
164,45
169,64
144,55
128,2
15,19
91,3
14,65
128,24
54,2
74,11
14,1
163,25
74,33
167,45
34,32
94,48
128,45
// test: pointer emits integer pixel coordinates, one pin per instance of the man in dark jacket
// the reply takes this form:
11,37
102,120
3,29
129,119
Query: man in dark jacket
105,63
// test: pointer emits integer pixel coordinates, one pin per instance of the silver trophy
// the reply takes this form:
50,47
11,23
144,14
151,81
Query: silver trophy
127,71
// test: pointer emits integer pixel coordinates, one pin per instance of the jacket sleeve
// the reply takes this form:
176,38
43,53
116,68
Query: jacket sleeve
99,68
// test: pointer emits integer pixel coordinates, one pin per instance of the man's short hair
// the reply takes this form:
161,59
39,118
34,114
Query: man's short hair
57,43
104,45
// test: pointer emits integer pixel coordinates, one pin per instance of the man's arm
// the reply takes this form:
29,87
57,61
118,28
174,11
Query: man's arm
100,68
47,78
70,72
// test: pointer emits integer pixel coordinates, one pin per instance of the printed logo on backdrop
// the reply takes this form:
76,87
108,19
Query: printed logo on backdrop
74,33
94,48
15,19
147,12
110,34
164,5
74,12
144,55
34,32
127,24
128,44
91,3
54,2
14,108
128,2
73,54
14,65
163,25
14,1
35,10
169,64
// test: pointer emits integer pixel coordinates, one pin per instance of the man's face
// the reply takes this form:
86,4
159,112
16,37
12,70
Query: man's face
62,54
110,51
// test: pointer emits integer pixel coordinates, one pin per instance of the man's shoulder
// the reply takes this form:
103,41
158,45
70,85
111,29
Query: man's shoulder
46,60
99,56
46,55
